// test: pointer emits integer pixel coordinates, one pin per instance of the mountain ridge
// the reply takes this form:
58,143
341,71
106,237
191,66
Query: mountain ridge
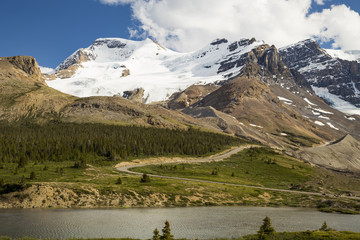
123,66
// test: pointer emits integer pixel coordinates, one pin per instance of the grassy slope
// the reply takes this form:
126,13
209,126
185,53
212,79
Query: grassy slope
264,167
253,170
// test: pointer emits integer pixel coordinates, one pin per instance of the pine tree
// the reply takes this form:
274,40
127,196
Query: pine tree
32,175
266,229
166,232
118,181
324,227
145,178
156,235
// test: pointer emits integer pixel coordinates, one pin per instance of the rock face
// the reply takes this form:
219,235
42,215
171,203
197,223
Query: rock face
27,64
190,96
319,69
136,95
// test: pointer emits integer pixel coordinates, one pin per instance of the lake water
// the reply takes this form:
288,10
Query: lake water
195,222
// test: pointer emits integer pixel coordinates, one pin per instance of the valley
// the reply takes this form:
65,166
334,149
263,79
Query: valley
254,135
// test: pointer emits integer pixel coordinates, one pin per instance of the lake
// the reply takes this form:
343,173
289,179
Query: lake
194,222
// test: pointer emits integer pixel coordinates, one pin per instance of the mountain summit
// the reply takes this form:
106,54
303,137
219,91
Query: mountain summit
112,66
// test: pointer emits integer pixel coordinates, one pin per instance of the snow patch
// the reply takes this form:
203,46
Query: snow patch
310,103
332,126
315,113
336,101
319,123
284,99
350,118
253,125
322,111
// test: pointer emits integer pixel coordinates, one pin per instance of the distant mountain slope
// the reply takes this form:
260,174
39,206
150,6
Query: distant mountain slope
341,155
334,79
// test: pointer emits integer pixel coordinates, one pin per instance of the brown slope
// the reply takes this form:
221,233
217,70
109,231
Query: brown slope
252,102
231,125
23,91
343,155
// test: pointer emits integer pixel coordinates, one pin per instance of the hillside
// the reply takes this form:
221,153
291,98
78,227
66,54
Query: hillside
343,155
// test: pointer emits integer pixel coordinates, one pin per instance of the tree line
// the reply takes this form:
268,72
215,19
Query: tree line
21,143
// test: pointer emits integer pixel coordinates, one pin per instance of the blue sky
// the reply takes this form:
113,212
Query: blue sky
50,30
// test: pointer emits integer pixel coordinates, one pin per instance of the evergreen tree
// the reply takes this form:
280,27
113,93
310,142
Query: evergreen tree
118,181
22,180
61,171
156,235
32,175
166,232
324,227
266,229
145,178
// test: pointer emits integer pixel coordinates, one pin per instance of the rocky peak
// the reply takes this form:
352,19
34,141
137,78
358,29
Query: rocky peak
136,95
219,41
109,42
272,60
27,64
262,62
314,65
298,55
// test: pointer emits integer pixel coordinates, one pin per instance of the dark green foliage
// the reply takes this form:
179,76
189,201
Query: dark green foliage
156,235
266,229
32,175
8,188
119,181
61,171
80,164
22,181
166,232
145,178
325,227
2,182
308,235
26,143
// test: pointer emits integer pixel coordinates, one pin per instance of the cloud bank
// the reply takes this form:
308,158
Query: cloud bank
186,25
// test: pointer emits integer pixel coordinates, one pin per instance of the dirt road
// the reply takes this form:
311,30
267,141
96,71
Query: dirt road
126,166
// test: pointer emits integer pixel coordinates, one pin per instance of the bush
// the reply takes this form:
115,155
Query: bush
145,178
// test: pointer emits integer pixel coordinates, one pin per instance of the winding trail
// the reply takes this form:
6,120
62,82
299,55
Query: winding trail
127,166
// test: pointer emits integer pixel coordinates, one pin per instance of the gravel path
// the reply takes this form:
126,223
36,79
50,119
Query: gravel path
127,166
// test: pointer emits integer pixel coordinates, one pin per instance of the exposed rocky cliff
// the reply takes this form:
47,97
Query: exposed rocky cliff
319,69
26,64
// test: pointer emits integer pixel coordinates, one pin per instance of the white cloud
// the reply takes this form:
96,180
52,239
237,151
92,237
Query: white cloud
320,2
339,24
186,25
46,70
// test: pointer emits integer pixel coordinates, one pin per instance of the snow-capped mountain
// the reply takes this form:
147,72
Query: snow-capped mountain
115,66
331,77
112,66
